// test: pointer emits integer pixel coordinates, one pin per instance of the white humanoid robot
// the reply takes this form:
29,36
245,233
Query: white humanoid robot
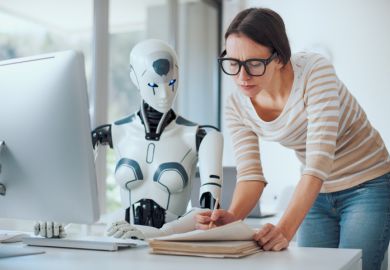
157,150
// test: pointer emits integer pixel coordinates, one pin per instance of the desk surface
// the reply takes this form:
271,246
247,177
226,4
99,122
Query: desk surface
139,258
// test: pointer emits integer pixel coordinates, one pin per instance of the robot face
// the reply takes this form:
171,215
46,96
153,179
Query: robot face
156,75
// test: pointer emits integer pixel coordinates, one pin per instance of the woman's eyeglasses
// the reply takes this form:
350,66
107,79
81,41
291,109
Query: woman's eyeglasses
253,66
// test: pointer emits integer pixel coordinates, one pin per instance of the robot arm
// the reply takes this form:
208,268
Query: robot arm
210,168
123,229
102,135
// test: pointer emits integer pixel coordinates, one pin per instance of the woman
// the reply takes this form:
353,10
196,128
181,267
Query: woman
343,196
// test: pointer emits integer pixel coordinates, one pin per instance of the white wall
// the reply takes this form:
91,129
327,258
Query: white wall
356,35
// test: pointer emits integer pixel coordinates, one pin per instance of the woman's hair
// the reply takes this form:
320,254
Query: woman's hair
264,26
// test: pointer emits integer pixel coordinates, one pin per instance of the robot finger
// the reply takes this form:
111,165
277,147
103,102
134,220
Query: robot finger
56,229
49,229
119,233
61,231
126,227
36,228
116,226
138,235
62,234
112,230
118,223
42,229
133,235
129,234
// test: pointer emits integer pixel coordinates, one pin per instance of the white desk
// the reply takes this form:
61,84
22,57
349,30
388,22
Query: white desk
138,259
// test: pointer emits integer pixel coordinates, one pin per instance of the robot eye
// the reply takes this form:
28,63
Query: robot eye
172,82
153,85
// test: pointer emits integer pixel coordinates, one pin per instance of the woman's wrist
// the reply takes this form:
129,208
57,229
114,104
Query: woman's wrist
286,231
233,216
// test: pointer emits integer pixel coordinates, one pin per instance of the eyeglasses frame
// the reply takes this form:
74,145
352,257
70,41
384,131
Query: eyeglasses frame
266,62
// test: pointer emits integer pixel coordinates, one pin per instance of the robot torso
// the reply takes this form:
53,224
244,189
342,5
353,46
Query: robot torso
161,170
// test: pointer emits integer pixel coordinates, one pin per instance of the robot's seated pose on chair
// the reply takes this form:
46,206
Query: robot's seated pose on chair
157,150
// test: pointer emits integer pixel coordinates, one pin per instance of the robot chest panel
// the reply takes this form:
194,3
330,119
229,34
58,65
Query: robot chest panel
166,164
174,149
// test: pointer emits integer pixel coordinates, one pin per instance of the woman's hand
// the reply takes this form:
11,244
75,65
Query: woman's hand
219,217
271,237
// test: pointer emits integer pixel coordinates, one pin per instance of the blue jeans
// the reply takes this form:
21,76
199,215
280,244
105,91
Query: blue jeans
358,217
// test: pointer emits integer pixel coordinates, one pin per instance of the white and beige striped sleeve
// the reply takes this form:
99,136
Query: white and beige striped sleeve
323,110
245,145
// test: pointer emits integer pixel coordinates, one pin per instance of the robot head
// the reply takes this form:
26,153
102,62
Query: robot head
154,71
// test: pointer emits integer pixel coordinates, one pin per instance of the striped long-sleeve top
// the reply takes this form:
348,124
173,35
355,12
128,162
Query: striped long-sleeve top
321,121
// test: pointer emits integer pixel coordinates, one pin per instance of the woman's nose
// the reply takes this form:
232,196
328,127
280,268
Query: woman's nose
243,75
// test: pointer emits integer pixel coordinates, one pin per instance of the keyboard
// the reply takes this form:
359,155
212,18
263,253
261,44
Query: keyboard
83,242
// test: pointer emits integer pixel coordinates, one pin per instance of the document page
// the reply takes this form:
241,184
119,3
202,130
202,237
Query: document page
237,230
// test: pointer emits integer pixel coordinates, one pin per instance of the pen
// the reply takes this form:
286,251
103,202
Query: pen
211,224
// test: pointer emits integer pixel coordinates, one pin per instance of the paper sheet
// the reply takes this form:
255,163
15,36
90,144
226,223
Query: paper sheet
233,231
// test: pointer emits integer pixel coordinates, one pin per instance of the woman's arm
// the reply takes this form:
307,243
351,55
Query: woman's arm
272,237
246,195
322,101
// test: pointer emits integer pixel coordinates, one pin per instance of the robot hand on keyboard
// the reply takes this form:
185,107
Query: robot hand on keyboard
49,229
123,229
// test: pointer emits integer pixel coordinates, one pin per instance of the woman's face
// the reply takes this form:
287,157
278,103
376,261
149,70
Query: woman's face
241,47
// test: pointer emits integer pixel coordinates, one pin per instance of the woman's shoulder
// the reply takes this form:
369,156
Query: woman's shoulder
307,62
308,59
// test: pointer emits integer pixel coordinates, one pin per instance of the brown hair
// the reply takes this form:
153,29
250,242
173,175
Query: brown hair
264,26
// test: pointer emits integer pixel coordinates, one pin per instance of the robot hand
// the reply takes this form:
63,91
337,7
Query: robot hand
49,229
186,223
123,229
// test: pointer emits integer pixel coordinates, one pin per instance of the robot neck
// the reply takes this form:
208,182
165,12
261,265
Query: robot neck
154,121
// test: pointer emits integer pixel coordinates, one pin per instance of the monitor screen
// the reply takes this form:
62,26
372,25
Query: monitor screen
47,162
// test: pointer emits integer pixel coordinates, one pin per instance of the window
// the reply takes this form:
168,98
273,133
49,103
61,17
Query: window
36,27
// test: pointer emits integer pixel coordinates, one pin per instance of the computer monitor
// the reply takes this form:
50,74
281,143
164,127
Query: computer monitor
47,163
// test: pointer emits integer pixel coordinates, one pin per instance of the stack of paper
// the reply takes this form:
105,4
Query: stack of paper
233,240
